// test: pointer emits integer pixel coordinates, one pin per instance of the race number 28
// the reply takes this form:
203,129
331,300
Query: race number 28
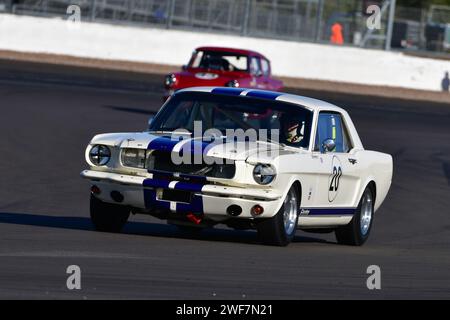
334,184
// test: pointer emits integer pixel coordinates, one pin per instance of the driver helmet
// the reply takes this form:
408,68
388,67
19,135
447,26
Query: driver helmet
293,131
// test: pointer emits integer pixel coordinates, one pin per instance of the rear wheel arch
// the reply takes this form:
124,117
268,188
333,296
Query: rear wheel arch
370,183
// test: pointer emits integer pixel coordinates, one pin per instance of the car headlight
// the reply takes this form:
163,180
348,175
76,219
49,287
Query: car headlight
170,80
99,155
135,158
264,173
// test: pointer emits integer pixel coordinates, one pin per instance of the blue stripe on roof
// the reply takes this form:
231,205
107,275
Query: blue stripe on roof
229,91
264,94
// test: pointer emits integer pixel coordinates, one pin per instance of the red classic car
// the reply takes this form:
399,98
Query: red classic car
214,66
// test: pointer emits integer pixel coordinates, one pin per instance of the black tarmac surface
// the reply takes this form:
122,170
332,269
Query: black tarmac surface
45,227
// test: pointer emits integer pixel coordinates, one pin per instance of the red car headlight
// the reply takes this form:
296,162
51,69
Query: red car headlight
232,84
170,80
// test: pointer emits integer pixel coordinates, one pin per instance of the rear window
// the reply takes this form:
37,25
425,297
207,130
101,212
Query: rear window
215,60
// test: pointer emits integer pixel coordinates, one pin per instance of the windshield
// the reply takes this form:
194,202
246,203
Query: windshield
269,119
214,60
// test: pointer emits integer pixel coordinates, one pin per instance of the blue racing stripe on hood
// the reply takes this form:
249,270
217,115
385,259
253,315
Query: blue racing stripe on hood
167,144
163,144
264,94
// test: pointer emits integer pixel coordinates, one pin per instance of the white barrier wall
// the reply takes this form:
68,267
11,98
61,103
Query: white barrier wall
291,59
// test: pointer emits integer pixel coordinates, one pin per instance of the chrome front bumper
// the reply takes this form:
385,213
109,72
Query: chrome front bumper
210,199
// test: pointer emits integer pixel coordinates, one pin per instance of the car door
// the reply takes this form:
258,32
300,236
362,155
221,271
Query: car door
337,168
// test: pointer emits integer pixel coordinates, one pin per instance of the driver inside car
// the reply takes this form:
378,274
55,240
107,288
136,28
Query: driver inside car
293,131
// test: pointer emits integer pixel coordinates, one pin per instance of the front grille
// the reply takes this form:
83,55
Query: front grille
162,161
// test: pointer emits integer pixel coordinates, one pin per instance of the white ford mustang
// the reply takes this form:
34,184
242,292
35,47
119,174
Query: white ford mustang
245,158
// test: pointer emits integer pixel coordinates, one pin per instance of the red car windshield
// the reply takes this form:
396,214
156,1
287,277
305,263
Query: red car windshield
220,61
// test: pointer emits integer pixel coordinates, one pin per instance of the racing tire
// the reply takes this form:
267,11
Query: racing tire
280,229
357,231
108,217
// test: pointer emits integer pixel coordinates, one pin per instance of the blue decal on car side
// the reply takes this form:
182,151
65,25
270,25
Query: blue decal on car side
328,211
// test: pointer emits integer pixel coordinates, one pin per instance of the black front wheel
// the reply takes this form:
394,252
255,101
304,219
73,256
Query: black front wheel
108,217
357,231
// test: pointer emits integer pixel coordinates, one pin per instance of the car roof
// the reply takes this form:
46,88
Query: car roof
309,103
232,50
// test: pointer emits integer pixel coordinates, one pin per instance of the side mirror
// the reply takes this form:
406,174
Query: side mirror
149,122
328,145
184,67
